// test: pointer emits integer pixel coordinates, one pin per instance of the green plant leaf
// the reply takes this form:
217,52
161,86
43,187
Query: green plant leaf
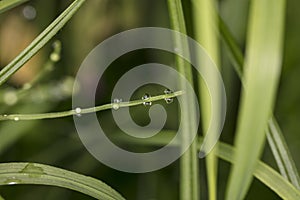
275,137
8,4
262,171
189,170
205,28
262,71
39,41
32,173
285,161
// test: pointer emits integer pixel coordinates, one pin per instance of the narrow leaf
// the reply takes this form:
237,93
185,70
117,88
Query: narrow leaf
278,146
262,70
39,41
32,173
9,4
189,183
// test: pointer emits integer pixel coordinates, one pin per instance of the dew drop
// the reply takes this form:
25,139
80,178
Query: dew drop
176,49
78,112
10,98
16,118
29,12
116,104
12,181
145,98
168,100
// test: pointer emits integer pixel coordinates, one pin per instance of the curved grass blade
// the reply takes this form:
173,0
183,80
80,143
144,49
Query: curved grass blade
281,149
275,137
205,27
32,173
262,171
9,4
262,71
39,41
189,170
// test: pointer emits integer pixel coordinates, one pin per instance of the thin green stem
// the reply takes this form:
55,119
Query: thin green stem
39,41
189,170
205,28
80,111
9,4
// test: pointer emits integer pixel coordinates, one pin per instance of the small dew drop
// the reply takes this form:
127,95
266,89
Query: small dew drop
176,49
78,111
12,181
16,118
145,98
116,104
168,100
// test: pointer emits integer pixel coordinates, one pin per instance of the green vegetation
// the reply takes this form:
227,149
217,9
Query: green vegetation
260,134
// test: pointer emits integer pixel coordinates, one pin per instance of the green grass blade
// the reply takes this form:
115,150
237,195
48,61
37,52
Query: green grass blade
262,172
1,198
9,4
32,173
39,41
275,137
235,53
262,70
205,25
189,170
283,152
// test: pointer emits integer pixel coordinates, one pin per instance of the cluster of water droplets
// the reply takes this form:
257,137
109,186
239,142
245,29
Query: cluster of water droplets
146,100
168,100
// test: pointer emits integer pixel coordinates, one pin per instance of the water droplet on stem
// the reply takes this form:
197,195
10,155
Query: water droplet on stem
146,98
168,100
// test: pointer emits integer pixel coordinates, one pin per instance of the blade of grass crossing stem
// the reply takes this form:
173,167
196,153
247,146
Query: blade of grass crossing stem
262,172
275,137
205,25
9,4
285,156
262,71
189,183
39,41
32,173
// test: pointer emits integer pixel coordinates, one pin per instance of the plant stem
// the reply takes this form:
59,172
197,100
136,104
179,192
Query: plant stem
189,169
205,27
9,4
75,111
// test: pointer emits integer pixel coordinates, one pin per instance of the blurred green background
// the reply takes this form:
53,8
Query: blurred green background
55,142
